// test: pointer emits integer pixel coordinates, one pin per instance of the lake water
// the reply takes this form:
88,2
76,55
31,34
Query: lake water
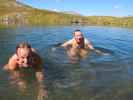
97,77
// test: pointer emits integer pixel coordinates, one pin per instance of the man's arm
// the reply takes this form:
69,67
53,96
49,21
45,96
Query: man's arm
39,72
90,46
39,68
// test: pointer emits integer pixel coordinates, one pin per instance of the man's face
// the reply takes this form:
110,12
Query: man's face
78,37
23,54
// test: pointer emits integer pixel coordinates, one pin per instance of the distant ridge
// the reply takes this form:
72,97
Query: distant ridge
13,12
72,12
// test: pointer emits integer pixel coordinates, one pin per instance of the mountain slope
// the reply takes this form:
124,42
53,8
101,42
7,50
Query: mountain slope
14,13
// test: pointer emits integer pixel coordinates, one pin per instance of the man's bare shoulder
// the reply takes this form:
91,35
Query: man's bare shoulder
14,56
87,41
88,44
69,42
11,62
35,53
33,50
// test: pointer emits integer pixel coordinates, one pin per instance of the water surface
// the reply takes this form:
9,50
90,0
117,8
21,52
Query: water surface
93,78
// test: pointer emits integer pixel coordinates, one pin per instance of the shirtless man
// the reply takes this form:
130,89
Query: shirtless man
78,46
25,57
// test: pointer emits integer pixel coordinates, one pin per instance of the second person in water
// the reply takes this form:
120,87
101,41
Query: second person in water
79,46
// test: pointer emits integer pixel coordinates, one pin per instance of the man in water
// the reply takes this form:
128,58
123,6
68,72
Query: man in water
25,57
78,46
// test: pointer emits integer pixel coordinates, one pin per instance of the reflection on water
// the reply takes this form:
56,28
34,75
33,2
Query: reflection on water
96,77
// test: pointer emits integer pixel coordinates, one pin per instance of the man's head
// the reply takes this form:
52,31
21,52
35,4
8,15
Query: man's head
23,50
78,36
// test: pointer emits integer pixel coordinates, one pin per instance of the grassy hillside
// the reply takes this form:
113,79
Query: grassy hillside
110,21
16,13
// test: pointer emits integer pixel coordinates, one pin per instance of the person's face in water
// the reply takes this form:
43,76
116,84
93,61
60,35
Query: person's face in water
78,37
23,55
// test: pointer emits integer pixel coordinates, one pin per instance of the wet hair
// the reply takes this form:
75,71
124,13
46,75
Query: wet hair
76,31
23,45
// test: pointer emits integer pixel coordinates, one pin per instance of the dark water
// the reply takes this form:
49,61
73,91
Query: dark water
97,77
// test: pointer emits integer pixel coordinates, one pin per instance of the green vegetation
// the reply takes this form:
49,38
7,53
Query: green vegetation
15,13
110,21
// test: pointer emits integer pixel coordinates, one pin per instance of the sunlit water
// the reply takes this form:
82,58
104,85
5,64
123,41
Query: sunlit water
97,77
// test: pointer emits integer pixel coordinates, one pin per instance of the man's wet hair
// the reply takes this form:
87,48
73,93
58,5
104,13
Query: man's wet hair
76,31
23,45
